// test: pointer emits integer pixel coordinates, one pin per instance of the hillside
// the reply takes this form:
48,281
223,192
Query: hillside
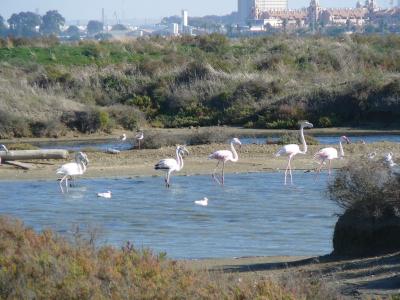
270,82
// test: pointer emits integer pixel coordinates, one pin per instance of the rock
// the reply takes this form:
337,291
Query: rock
360,234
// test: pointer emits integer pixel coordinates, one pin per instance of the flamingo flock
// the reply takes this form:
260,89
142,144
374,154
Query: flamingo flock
169,166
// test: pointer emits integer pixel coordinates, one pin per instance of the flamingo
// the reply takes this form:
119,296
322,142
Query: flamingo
329,154
139,137
122,138
170,165
203,202
224,156
293,149
73,169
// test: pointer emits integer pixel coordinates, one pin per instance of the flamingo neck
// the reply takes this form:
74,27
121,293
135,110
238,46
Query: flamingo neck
341,148
303,140
179,160
235,155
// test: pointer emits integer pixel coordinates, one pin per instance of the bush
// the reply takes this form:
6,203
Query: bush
87,121
46,266
369,193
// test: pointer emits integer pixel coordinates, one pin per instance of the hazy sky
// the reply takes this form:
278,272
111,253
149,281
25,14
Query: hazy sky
141,9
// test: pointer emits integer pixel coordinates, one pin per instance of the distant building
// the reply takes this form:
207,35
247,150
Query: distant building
247,8
174,29
185,21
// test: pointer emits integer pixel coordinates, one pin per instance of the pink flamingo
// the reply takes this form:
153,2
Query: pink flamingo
224,156
329,154
293,149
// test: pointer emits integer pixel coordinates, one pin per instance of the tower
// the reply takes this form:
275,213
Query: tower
314,11
184,18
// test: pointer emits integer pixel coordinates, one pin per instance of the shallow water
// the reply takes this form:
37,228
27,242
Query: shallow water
253,215
103,145
329,140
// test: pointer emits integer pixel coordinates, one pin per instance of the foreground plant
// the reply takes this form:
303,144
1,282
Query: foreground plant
46,266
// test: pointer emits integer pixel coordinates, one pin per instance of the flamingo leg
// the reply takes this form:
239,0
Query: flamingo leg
290,170
61,181
318,171
66,183
168,177
329,167
214,174
287,169
139,144
223,176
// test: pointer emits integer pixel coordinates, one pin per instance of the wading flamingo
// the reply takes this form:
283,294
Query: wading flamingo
330,153
170,165
73,169
139,137
294,149
224,156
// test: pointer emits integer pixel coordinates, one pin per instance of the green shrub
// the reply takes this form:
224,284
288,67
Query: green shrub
325,122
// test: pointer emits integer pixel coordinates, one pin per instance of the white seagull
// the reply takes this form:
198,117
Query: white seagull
203,202
122,138
104,195
73,169
170,165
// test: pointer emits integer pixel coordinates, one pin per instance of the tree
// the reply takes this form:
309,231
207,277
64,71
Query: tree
24,24
51,23
73,33
94,27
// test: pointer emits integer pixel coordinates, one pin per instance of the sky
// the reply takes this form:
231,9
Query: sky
142,10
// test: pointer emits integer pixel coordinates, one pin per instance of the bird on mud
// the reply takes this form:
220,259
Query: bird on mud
139,137
293,149
329,154
73,169
170,165
224,156
203,202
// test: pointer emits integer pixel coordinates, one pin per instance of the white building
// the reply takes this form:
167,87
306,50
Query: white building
248,8
185,22
174,29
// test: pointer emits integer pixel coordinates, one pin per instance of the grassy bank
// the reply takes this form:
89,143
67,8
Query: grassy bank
48,89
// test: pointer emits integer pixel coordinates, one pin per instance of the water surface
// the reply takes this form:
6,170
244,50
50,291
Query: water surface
253,215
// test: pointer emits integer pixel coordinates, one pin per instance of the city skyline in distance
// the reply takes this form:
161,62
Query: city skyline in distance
150,10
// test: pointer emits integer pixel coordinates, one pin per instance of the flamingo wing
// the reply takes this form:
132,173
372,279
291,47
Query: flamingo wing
70,169
288,150
222,155
326,153
166,164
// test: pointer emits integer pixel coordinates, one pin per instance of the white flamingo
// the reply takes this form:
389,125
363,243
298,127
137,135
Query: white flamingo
170,165
330,153
73,169
294,149
225,156
139,137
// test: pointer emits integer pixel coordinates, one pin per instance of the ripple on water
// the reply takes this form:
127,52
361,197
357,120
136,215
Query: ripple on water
254,214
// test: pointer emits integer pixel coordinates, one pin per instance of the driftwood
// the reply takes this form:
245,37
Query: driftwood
33,154
19,164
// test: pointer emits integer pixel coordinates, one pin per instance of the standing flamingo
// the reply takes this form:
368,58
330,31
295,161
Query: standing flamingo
139,137
294,149
329,154
170,165
73,169
224,156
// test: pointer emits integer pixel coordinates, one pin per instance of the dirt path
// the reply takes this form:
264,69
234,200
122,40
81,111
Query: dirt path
366,278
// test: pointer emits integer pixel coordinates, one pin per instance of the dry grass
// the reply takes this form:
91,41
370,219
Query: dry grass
46,266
